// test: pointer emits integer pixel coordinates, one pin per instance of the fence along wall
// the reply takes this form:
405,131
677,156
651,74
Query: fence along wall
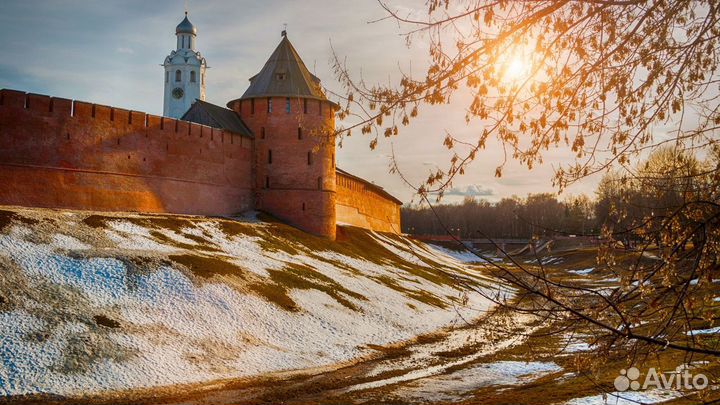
360,204
61,153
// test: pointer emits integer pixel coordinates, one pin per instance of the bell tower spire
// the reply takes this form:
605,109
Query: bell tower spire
184,72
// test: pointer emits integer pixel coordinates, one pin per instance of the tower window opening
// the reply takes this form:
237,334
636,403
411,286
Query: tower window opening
280,76
303,207
309,158
269,156
332,160
287,105
305,106
262,133
192,76
269,105
299,133
178,75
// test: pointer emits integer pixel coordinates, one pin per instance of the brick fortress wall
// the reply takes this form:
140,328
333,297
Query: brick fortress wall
295,159
61,153
360,205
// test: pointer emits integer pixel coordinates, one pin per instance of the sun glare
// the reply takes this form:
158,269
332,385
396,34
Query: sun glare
515,70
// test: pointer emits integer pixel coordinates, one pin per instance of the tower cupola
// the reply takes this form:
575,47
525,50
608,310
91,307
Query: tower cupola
184,72
186,33
186,27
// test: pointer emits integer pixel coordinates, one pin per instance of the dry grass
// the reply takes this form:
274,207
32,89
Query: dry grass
103,320
274,294
422,296
8,217
206,267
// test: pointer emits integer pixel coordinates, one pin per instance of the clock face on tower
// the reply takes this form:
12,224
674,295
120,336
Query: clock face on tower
178,92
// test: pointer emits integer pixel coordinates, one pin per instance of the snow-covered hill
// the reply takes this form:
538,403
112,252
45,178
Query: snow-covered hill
98,302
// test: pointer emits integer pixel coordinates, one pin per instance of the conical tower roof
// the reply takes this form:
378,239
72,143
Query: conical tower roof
284,75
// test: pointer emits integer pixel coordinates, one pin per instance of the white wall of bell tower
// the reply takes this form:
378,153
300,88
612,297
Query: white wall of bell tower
185,69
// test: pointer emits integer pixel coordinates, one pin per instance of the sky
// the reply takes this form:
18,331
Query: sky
109,52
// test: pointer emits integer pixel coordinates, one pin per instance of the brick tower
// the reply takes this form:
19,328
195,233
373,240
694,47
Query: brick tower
293,123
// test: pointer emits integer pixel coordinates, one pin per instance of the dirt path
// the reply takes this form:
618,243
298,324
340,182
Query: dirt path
448,365
415,372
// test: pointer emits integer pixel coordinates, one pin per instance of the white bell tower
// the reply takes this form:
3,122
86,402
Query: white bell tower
184,72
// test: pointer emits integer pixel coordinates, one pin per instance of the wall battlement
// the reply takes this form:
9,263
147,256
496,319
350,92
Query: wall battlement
56,152
60,153
48,106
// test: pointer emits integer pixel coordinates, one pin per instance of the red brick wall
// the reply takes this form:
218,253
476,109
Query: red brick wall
59,153
300,193
360,205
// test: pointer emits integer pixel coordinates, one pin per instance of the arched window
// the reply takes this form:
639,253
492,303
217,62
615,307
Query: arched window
192,76
178,76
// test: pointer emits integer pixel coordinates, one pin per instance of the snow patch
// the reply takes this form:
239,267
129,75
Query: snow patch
627,398
703,331
582,272
175,327
453,386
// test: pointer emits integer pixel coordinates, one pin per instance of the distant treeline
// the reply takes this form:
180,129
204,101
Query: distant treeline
627,205
537,214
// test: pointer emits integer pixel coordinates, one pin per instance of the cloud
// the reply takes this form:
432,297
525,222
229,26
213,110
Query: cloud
124,50
471,191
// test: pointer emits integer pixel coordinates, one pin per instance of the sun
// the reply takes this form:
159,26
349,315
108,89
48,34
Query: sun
515,70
